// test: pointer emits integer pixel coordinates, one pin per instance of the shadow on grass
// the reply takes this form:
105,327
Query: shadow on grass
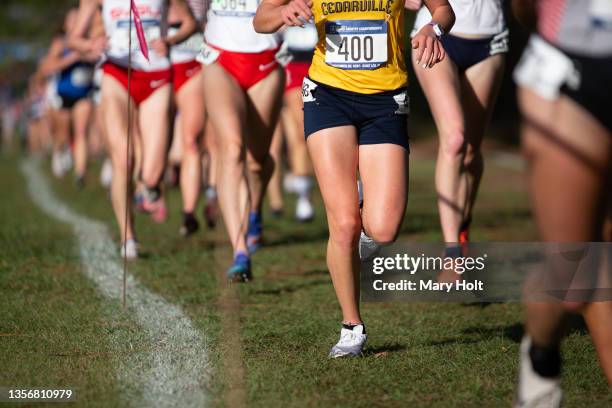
513,332
290,288
421,222
383,349
477,334
284,238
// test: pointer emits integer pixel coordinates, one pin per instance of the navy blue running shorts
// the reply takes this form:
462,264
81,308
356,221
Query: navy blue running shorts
467,52
379,118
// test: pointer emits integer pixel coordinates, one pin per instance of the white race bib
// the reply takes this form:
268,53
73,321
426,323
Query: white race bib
544,69
308,88
121,35
356,44
208,55
192,45
601,13
234,8
81,76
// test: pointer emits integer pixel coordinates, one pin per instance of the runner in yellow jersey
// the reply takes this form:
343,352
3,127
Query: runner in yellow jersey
355,120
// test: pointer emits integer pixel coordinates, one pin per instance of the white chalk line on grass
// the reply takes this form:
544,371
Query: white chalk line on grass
176,363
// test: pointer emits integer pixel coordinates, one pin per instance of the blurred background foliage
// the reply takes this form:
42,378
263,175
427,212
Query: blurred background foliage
27,26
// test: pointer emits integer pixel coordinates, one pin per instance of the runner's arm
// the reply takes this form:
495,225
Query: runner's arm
273,14
441,13
525,13
189,24
429,49
55,60
413,5
78,38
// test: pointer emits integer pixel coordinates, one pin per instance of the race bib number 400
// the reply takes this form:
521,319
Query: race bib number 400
235,8
356,44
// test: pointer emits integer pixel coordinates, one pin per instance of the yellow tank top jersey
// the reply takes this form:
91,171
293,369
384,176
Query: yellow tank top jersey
361,45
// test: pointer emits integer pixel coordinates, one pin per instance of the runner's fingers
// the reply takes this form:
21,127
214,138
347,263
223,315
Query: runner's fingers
432,57
295,21
305,14
289,16
304,8
442,53
435,54
298,13
286,19
427,44
416,45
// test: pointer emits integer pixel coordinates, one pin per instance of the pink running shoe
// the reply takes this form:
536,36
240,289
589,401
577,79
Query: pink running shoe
157,209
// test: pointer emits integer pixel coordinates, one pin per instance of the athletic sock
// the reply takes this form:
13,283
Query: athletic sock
302,185
546,361
241,258
255,223
350,326
453,251
153,193
465,225
211,193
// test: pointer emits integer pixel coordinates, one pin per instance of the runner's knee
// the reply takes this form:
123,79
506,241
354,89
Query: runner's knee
191,145
473,157
453,143
233,152
263,165
382,230
345,230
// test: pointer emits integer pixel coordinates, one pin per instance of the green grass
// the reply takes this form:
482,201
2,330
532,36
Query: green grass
419,354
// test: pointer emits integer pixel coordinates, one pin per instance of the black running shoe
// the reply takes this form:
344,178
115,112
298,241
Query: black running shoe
190,225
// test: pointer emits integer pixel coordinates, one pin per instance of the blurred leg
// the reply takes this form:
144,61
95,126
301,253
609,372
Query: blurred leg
227,110
275,192
81,119
154,121
115,99
479,88
442,88
190,101
264,105
569,155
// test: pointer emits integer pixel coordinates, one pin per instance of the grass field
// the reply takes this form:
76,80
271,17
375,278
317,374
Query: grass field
267,340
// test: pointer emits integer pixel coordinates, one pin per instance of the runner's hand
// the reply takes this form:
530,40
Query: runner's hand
296,12
160,46
413,5
98,46
429,49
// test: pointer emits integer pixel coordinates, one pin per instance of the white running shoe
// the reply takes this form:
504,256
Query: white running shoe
66,159
535,391
56,164
304,210
350,344
289,183
106,174
367,247
129,250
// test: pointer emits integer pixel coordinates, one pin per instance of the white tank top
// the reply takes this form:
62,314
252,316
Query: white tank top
116,14
189,49
230,27
473,17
